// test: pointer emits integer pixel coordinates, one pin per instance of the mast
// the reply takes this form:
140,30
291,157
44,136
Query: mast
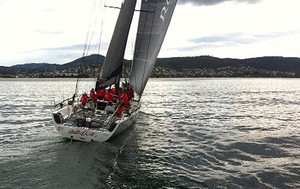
112,66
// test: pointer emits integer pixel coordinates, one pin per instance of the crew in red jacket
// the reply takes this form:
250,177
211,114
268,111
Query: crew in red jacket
130,92
101,94
124,100
108,96
113,91
93,95
120,110
84,99
120,96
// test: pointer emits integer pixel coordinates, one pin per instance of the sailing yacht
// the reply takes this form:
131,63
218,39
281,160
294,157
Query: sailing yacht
98,119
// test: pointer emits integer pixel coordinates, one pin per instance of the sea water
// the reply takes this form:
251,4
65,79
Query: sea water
190,133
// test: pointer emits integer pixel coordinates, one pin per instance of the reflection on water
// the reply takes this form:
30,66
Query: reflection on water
191,133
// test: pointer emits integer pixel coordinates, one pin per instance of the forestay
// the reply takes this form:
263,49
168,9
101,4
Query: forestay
154,20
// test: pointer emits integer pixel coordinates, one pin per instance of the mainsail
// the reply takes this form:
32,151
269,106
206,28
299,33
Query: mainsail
154,20
112,65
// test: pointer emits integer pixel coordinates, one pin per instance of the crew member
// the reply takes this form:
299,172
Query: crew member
93,95
101,94
120,110
108,96
84,99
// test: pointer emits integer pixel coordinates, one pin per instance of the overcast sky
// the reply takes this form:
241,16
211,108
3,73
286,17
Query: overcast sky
54,31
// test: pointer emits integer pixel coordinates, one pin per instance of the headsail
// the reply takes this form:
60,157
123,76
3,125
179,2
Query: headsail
154,20
112,65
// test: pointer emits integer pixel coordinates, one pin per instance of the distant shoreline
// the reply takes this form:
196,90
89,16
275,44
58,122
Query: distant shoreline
176,67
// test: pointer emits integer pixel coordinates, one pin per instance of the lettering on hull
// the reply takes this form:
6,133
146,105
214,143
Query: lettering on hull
81,133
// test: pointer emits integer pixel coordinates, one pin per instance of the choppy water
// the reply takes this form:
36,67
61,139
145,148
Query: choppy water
191,133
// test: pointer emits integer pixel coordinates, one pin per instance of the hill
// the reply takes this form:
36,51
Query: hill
70,69
198,66
207,66
201,62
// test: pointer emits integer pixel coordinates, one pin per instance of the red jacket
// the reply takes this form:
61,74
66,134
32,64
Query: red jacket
113,91
84,99
120,96
130,93
101,93
126,100
93,95
109,97
123,97
121,110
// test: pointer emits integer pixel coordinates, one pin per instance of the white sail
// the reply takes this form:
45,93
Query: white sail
154,20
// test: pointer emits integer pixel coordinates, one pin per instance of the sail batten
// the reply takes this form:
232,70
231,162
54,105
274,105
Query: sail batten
152,29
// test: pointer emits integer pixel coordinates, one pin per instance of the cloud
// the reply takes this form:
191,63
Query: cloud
214,2
235,39
66,48
242,45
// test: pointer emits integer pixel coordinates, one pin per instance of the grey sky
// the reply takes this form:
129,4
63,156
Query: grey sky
50,31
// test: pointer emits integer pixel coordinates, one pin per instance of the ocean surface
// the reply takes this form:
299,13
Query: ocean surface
190,133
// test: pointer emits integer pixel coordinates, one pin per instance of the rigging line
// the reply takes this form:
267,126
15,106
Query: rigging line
101,30
84,52
93,29
91,37
87,36
128,67
113,7
100,38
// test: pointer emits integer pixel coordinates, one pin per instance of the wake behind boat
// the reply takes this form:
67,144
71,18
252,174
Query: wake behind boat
112,107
